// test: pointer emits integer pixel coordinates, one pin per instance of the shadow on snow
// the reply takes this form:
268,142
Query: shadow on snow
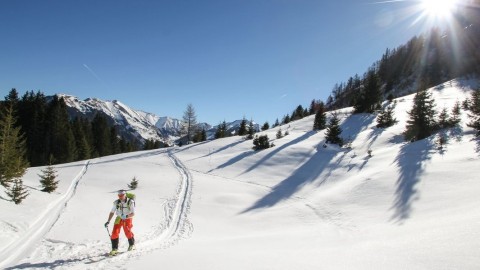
310,171
411,162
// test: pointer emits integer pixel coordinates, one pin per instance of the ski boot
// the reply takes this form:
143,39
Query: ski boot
131,243
114,251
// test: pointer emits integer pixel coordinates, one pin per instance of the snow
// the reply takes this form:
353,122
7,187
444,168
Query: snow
298,205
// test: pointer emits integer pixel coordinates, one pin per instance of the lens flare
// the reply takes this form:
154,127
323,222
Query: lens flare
438,8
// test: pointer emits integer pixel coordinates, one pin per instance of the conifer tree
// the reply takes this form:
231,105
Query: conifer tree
279,133
81,141
114,141
276,124
17,192
243,128
133,184
422,117
474,114
189,122
385,118
200,135
456,111
333,131
101,136
61,142
370,97
48,179
221,130
265,126
298,113
251,130
312,108
320,117
31,119
13,162
443,119
261,142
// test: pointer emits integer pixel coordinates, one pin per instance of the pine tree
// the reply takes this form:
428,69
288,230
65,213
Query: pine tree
422,117
133,184
251,130
101,136
333,131
276,124
265,126
456,111
13,163
370,97
189,122
61,142
114,141
320,117
81,142
474,114
279,133
298,113
31,119
221,130
385,118
17,192
243,128
443,119
48,179
261,142
200,135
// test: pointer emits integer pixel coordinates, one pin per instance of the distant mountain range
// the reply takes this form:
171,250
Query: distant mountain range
135,124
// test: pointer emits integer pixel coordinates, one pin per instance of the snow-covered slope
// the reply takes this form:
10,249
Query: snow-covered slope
298,205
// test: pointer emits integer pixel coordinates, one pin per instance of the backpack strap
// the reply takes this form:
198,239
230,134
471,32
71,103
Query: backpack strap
129,201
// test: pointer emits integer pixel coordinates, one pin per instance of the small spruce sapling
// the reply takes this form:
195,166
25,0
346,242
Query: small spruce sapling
48,179
133,184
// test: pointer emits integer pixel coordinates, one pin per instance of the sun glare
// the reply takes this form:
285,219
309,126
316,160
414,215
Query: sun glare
438,8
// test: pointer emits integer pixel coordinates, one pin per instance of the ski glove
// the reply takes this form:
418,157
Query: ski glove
106,223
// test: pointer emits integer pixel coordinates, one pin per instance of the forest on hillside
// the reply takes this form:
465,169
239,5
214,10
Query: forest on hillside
424,61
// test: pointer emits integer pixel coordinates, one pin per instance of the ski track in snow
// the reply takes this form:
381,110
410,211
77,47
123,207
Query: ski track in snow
93,255
42,225
176,227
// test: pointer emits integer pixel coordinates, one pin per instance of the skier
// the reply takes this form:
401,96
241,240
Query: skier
125,210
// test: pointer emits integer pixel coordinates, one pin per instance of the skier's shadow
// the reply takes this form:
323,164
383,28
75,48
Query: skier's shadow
58,263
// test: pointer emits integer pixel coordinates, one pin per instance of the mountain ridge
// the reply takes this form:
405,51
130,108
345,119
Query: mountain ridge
135,124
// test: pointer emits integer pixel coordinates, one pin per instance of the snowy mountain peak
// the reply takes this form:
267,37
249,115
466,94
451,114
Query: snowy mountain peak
131,123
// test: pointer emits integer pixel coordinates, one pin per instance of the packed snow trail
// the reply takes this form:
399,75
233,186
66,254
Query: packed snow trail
59,254
176,226
42,225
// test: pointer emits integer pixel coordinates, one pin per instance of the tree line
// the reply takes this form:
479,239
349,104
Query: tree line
424,61
51,137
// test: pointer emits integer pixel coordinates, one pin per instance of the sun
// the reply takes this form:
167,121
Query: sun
438,8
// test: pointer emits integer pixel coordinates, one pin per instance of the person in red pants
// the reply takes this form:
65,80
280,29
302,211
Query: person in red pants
125,210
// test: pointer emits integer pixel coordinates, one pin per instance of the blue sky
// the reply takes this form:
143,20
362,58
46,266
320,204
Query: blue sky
229,58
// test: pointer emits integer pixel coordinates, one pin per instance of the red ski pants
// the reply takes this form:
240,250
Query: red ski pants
127,225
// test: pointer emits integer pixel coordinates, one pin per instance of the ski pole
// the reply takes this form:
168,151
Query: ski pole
108,231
